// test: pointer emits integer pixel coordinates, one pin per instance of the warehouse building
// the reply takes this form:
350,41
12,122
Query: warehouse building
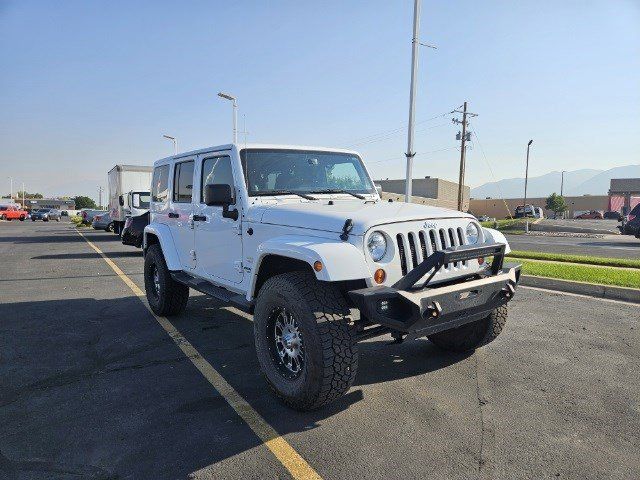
505,207
428,191
36,203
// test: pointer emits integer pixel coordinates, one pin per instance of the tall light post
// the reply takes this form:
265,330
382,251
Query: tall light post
526,180
11,183
175,143
562,187
412,100
233,101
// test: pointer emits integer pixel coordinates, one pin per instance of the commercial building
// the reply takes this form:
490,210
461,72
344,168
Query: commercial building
428,191
624,194
504,207
36,203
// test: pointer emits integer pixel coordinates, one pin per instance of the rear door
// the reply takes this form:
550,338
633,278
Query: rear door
180,215
218,240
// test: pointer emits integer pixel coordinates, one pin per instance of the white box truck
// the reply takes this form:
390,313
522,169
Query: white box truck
129,193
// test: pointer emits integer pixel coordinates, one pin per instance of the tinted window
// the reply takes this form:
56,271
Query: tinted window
140,199
216,171
160,184
183,182
635,211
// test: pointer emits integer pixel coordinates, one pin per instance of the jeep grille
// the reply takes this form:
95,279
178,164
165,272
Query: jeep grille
415,246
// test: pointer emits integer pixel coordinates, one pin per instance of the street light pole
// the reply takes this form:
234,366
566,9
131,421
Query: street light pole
526,180
11,183
562,187
234,103
175,143
412,100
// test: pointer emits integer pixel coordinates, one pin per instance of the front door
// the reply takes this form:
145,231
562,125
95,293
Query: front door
181,213
218,240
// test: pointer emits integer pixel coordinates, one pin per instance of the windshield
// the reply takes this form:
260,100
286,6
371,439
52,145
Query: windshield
269,171
140,199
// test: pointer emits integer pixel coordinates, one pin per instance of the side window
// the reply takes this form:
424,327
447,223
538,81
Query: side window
183,182
216,171
159,184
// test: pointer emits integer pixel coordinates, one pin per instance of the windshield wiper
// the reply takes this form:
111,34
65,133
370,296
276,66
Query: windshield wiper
337,190
283,192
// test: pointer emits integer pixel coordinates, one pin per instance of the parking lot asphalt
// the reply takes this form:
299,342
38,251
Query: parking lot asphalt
609,246
92,387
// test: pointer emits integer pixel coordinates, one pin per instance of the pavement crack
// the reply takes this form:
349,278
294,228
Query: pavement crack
486,455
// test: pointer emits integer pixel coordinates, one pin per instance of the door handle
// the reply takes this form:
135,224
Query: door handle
173,215
199,218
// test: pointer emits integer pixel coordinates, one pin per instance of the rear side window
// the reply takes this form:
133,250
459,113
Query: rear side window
216,171
635,211
183,182
160,184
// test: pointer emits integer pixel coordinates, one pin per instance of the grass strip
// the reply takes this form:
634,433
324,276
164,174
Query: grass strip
583,273
561,257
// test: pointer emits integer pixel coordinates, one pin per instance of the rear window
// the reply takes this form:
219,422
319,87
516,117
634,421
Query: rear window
160,184
183,182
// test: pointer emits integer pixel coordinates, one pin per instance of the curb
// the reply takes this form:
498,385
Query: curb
582,288
571,229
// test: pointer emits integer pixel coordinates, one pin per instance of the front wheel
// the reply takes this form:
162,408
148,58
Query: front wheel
304,343
472,335
22,218
165,296
109,227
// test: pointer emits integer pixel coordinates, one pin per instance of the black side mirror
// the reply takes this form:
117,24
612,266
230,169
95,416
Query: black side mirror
121,200
221,195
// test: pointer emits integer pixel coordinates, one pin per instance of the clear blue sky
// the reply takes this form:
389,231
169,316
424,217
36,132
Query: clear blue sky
86,85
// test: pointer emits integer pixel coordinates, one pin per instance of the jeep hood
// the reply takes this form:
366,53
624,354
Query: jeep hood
331,218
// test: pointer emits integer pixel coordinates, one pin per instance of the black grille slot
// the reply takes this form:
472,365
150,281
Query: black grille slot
461,238
432,238
403,257
423,244
412,247
453,243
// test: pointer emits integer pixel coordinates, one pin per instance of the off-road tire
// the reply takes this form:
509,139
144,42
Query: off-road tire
473,335
172,296
330,350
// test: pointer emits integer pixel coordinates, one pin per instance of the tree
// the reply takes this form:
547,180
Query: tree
84,202
556,203
28,195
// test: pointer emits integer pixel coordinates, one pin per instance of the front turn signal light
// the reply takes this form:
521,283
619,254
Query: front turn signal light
317,266
379,276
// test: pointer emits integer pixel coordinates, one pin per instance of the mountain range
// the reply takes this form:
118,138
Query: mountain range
586,181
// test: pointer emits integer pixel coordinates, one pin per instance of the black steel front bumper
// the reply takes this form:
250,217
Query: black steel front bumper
424,310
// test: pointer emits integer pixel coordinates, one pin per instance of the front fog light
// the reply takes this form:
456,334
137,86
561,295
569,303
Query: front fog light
472,234
377,246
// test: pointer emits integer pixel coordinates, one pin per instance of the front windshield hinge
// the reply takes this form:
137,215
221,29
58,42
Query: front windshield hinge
346,229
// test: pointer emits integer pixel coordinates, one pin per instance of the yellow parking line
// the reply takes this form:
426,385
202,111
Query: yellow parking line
284,452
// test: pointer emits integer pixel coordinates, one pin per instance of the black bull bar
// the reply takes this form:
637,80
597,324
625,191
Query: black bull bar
424,310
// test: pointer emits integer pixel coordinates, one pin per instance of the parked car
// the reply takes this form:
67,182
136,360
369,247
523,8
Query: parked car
12,212
484,218
102,221
592,215
613,216
521,209
88,214
631,227
133,231
301,238
45,214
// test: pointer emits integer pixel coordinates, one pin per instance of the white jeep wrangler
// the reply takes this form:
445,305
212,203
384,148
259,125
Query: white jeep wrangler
299,237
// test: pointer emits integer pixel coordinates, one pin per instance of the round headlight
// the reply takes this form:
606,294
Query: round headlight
472,234
377,246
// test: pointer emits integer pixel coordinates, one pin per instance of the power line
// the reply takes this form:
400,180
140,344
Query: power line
493,177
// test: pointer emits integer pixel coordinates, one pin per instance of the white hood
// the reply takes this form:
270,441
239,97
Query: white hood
331,218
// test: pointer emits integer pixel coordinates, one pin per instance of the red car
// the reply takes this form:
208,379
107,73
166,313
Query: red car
592,215
12,212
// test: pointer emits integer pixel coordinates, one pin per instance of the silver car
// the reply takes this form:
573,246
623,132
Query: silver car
103,221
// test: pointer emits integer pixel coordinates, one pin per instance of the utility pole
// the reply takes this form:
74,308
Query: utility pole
11,191
23,195
463,141
562,183
412,100
100,197
526,180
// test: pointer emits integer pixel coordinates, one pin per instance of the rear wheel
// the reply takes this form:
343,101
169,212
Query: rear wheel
165,296
22,218
472,335
109,227
3,217
304,343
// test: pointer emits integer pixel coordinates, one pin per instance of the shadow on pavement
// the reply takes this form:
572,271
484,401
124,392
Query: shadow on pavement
91,385
78,256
